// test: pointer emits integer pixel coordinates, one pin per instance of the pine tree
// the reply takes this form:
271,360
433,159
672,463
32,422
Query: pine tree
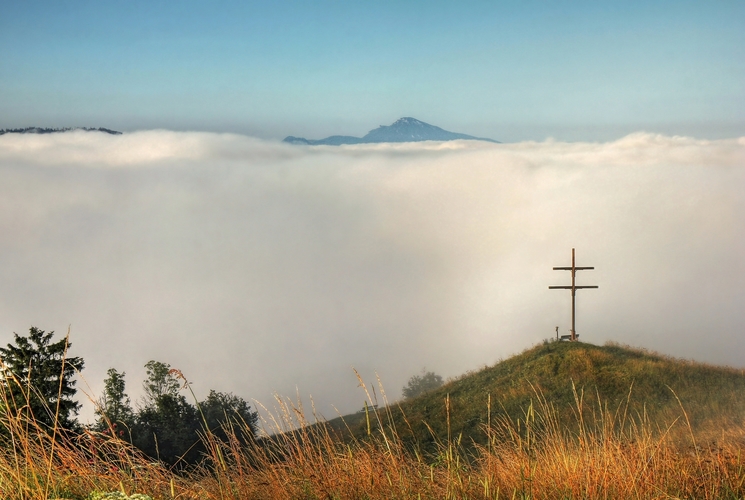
38,377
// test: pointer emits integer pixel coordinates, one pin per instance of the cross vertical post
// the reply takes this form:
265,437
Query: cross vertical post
573,288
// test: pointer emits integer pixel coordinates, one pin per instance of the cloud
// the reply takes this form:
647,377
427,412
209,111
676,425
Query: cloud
258,267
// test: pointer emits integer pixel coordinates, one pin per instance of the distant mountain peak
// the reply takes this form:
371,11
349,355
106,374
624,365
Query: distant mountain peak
407,120
406,129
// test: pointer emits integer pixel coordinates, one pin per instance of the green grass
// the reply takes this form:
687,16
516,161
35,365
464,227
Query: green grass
557,422
639,381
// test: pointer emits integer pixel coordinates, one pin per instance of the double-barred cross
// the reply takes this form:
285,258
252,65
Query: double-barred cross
573,288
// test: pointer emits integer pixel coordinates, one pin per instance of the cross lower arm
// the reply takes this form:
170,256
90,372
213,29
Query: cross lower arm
569,287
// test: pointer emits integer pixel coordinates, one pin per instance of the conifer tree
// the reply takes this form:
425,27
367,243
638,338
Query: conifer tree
38,377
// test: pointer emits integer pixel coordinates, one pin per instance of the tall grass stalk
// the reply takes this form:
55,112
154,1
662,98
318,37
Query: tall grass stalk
601,453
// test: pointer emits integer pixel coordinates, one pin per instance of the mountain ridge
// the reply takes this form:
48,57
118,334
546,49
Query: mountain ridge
406,129
46,130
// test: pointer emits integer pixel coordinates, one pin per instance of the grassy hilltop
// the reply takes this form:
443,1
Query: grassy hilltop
559,421
618,378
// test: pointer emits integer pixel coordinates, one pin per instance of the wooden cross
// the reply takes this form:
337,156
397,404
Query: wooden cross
573,288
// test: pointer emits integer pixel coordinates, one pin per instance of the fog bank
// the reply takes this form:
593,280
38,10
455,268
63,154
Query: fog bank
258,267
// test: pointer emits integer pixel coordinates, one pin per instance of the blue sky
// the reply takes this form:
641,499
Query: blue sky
507,70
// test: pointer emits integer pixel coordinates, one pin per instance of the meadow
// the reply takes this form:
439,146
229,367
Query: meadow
604,451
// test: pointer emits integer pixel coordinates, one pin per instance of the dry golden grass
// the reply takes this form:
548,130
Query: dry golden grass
607,454
38,462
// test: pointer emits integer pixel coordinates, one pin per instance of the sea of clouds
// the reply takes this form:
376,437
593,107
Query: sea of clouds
258,267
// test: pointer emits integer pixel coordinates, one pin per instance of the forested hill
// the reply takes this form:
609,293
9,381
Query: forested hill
633,382
41,130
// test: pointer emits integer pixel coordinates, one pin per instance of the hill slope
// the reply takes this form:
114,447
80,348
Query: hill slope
713,397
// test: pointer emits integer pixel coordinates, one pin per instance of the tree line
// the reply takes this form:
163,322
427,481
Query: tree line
47,130
36,382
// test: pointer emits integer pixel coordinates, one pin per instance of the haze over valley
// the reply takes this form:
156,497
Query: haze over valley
257,267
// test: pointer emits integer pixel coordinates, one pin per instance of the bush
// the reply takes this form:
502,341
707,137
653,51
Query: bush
417,385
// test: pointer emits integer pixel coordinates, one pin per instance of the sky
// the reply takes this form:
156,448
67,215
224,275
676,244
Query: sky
512,71
197,238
